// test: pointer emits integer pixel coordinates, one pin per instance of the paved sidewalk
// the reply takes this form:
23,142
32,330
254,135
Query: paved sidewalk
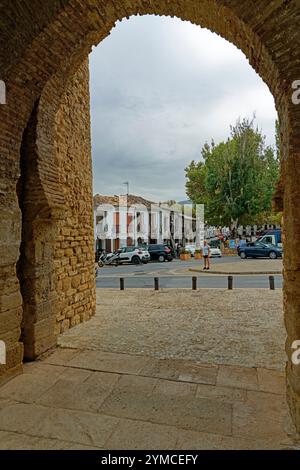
258,266
83,399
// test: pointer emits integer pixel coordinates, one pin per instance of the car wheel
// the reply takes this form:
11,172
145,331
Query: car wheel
243,255
161,259
136,260
273,255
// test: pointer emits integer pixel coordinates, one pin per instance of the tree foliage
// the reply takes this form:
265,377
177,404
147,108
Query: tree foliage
235,179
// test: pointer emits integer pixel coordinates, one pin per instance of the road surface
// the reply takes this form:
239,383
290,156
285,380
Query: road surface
176,275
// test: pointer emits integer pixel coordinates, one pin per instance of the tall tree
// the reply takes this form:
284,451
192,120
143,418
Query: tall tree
235,179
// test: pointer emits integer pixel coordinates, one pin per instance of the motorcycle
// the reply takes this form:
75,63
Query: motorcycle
108,260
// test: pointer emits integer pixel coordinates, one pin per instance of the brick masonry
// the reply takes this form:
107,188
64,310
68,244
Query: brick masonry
43,44
74,248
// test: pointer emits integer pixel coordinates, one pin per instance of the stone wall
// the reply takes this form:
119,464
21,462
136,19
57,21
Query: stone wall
74,249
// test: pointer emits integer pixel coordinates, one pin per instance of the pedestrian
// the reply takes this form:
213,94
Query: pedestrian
206,255
178,250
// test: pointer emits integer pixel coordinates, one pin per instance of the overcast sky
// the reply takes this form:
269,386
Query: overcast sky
161,88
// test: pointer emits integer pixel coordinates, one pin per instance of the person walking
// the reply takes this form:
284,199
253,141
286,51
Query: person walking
206,255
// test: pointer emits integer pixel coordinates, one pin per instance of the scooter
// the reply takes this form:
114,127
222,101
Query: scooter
108,260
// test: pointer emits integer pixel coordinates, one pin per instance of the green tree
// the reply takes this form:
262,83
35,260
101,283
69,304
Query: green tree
196,179
235,179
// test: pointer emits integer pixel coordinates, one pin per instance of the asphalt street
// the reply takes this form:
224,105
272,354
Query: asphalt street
171,276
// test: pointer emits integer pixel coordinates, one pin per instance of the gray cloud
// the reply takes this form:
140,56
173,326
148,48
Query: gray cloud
161,88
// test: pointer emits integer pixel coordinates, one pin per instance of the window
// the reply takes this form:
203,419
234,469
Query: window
101,218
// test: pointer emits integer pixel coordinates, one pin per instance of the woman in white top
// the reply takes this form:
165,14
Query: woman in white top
206,255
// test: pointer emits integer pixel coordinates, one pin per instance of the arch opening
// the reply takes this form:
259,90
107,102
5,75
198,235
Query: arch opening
38,63
118,122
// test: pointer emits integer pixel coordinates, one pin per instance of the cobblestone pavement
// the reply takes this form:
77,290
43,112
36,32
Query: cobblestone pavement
83,397
215,326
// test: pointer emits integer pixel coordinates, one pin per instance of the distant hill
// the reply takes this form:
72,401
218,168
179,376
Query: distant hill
187,202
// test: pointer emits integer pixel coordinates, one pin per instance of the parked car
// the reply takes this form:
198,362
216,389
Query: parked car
160,253
215,252
271,237
134,255
259,250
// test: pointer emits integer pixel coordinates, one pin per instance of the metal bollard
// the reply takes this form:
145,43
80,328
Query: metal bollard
272,282
156,283
194,283
122,283
230,283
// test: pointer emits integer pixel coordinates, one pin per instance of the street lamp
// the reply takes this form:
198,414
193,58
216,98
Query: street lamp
127,184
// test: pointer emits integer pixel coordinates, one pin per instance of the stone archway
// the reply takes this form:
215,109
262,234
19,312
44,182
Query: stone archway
45,44
35,268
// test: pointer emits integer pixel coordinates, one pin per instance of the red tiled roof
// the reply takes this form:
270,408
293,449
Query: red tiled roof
114,201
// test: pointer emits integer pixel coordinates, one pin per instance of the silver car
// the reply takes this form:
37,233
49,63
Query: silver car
134,255
215,253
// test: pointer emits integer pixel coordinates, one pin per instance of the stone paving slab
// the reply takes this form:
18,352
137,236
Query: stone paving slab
141,402
192,440
22,417
239,377
86,395
106,361
16,441
166,387
181,370
29,386
137,435
228,394
271,381
79,427
61,356
262,416
84,409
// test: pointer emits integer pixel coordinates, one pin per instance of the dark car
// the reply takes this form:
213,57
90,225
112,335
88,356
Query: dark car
160,253
259,250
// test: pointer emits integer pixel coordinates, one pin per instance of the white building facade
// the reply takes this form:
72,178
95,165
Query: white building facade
134,221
